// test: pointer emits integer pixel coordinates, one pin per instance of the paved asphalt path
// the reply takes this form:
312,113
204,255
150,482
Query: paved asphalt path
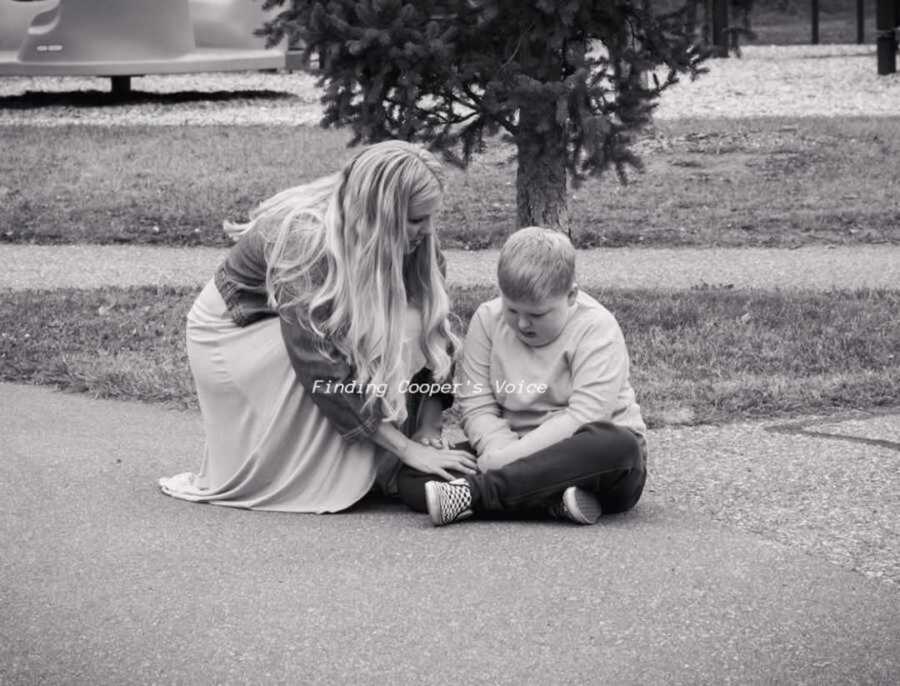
103,580
812,267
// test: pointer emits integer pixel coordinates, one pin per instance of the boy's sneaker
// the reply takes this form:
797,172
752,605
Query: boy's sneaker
578,505
448,501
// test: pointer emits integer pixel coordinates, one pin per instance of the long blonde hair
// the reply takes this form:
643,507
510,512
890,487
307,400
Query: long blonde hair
338,264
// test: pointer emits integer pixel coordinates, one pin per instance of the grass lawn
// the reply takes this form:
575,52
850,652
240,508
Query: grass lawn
760,182
702,356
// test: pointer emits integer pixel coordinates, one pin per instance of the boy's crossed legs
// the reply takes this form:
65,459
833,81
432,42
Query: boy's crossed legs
601,459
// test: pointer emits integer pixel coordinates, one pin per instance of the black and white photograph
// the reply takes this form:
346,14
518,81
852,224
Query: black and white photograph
449,342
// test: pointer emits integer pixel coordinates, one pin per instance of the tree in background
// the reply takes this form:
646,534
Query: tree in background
570,83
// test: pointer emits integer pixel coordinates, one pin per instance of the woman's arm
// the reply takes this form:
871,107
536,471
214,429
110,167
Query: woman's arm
423,458
320,376
352,420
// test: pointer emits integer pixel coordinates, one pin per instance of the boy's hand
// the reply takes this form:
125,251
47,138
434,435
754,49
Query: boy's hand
430,430
497,454
491,459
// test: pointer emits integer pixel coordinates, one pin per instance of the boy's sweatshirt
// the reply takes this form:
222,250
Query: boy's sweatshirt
508,388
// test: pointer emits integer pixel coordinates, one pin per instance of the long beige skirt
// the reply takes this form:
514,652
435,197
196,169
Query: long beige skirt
268,446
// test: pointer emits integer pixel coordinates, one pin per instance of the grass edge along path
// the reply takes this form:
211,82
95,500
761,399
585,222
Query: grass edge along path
698,356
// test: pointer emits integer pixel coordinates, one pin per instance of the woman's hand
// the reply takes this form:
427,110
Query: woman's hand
431,418
424,458
430,436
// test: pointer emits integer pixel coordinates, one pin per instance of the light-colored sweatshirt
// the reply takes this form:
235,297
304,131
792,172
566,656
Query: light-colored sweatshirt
517,399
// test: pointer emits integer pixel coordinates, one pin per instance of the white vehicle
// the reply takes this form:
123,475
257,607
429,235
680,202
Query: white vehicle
125,38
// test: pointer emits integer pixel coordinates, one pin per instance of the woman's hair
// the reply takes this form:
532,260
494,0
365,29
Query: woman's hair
338,264
536,263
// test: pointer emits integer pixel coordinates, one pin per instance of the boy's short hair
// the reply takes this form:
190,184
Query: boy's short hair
536,263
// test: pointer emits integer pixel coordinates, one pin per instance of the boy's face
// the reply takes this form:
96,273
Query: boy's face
539,323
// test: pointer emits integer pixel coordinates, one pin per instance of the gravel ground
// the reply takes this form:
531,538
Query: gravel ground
884,428
796,81
788,81
815,267
819,484
110,582
801,486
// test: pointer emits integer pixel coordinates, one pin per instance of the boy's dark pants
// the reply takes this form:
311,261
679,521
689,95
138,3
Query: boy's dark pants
607,460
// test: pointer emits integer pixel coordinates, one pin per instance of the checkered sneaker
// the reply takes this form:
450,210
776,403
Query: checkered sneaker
577,505
448,501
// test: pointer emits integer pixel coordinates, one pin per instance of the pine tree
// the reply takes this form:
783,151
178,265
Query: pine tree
566,80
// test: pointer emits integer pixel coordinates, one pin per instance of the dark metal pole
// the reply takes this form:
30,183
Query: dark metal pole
815,22
860,21
121,86
719,24
885,23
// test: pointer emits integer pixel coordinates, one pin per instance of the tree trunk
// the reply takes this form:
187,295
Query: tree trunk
541,175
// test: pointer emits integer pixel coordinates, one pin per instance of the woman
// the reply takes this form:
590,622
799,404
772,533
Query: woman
331,299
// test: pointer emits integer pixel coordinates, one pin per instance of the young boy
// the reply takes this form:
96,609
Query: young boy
546,399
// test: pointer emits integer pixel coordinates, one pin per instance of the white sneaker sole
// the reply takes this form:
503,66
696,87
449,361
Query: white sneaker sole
582,506
433,502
